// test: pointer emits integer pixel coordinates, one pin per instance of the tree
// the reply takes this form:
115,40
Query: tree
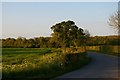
9,42
114,21
19,42
67,34
0,43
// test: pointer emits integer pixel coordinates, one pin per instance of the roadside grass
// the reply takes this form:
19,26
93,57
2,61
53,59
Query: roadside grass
39,63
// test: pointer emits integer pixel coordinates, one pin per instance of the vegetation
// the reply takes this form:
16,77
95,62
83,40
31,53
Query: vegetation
114,21
39,63
67,34
103,40
49,42
110,50
48,57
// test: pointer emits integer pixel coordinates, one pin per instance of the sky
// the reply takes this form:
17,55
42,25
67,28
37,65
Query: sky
34,19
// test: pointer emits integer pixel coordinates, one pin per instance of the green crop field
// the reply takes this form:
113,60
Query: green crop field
39,63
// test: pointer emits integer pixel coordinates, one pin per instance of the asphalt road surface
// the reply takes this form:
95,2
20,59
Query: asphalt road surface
101,66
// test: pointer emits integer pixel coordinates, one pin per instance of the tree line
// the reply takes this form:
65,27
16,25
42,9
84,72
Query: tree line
65,34
45,42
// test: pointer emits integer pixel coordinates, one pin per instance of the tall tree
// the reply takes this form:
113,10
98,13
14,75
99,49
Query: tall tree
67,34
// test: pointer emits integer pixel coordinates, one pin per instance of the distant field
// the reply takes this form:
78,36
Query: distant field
39,63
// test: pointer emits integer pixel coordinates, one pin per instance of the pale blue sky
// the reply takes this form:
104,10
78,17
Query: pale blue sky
33,19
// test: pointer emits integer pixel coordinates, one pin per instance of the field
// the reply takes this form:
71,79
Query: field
39,62
47,62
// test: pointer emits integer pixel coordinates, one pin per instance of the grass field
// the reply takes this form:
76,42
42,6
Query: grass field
39,63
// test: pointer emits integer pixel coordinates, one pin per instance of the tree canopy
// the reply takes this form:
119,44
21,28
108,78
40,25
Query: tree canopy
67,34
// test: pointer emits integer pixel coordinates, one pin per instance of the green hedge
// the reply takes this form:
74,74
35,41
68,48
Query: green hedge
107,49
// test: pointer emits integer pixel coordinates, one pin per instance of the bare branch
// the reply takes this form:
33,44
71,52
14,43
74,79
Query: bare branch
114,21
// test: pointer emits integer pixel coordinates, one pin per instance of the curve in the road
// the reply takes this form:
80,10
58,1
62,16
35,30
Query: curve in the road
101,66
